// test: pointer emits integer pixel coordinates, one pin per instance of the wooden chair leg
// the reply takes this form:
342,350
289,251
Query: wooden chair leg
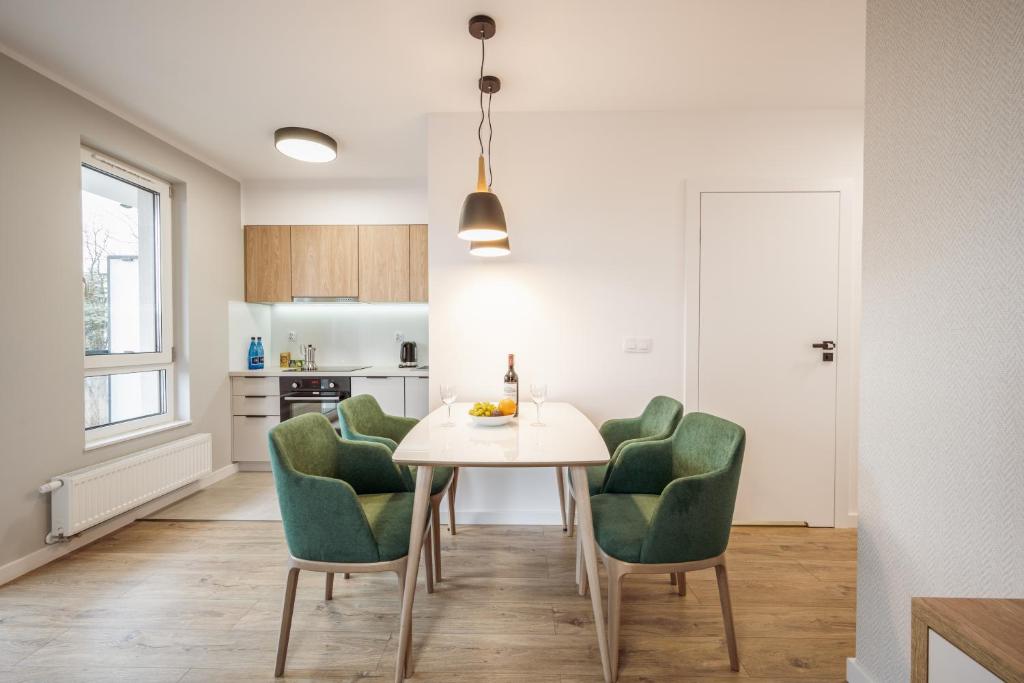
435,535
614,614
451,501
560,476
680,583
286,620
571,521
582,569
672,578
730,631
346,575
428,557
329,587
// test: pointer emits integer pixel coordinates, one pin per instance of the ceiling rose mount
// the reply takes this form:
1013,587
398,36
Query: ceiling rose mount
482,27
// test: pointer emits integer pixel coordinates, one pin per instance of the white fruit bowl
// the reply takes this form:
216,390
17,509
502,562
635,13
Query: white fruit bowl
491,421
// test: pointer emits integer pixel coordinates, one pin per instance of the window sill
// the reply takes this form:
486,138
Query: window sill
137,434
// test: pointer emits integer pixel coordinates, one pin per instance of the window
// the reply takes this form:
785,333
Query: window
126,285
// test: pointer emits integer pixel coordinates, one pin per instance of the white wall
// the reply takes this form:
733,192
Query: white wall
942,420
340,202
595,207
42,126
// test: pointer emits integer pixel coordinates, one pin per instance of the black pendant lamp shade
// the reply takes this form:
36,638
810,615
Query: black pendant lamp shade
482,219
490,249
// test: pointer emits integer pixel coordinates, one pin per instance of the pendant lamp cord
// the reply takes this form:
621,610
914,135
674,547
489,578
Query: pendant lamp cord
480,127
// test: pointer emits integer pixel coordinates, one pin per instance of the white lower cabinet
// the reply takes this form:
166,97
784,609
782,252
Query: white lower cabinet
249,437
949,664
417,397
389,392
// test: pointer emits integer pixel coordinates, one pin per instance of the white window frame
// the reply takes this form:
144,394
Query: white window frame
163,359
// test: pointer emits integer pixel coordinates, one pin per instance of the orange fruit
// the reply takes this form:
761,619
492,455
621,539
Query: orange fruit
507,406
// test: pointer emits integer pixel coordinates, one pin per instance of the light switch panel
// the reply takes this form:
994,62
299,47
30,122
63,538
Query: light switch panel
629,344
643,344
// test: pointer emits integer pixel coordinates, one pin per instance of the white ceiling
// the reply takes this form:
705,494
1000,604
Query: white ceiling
217,77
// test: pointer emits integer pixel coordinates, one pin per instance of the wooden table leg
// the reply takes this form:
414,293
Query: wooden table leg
421,506
585,521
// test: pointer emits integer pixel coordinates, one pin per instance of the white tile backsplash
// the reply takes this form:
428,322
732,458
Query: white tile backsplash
348,333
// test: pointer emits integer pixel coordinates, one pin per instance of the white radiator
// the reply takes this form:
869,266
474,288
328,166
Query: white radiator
91,495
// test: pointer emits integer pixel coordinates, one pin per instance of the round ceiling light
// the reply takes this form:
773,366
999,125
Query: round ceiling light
305,144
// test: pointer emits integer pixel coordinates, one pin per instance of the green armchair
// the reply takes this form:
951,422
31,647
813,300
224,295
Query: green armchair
360,418
667,507
658,421
345,507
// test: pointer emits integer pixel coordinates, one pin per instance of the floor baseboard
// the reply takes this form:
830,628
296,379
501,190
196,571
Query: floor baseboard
47,554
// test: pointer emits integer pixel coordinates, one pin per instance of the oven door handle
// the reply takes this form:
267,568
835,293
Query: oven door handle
312,399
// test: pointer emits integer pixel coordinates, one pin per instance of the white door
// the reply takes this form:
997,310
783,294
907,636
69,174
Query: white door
769,268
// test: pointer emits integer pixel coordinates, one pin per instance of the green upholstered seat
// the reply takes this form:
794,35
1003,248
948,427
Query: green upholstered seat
360,418
672,500
658,421
341,501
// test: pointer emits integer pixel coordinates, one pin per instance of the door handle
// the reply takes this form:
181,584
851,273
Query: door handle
827,347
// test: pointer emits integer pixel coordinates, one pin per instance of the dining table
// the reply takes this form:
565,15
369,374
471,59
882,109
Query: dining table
563,438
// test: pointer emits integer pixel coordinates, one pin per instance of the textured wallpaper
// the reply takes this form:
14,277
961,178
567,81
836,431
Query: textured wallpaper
942,413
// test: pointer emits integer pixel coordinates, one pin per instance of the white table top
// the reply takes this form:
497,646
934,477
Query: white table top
567,438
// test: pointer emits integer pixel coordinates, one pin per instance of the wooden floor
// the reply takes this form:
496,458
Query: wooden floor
200,601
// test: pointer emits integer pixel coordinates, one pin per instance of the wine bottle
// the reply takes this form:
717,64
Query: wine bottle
511,388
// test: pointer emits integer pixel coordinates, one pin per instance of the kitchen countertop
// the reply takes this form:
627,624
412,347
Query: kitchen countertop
372,371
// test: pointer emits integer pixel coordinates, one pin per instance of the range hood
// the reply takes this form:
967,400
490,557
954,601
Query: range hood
326,300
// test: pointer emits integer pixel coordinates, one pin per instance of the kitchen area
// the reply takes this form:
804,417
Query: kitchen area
340,311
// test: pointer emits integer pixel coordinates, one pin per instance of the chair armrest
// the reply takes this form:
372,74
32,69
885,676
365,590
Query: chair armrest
323,519
370,438
640,466
396,427
693,519
367,466
615,431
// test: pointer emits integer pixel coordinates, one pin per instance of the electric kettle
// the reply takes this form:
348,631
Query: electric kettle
407,359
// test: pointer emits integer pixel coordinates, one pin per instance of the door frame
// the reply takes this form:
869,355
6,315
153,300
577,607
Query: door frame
848,307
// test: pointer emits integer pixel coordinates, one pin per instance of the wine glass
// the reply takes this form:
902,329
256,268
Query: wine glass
448,394
538,394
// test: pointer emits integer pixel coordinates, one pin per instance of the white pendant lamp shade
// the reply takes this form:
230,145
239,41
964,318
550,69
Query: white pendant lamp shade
490,249
305,144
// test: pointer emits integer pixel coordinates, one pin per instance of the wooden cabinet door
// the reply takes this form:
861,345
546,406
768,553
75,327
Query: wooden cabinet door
418,287
268,263
384,263
325,260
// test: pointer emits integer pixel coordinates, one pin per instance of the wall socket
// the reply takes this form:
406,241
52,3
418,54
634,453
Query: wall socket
399,337
292,336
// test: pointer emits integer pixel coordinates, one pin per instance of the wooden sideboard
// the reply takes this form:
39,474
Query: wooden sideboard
988,631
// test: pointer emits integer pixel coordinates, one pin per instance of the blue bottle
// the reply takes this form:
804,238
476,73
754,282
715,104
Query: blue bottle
259,353
251,361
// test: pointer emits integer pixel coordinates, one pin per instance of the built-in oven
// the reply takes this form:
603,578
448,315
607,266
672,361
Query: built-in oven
317,394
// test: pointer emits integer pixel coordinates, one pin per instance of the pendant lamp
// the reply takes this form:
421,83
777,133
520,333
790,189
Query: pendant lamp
482,221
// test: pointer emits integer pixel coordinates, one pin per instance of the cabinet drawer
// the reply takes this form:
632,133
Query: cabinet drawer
249,438
255,405
255,386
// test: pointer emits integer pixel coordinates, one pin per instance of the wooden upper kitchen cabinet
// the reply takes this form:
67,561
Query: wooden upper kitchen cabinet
418,288
268,274
383,263
325,260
